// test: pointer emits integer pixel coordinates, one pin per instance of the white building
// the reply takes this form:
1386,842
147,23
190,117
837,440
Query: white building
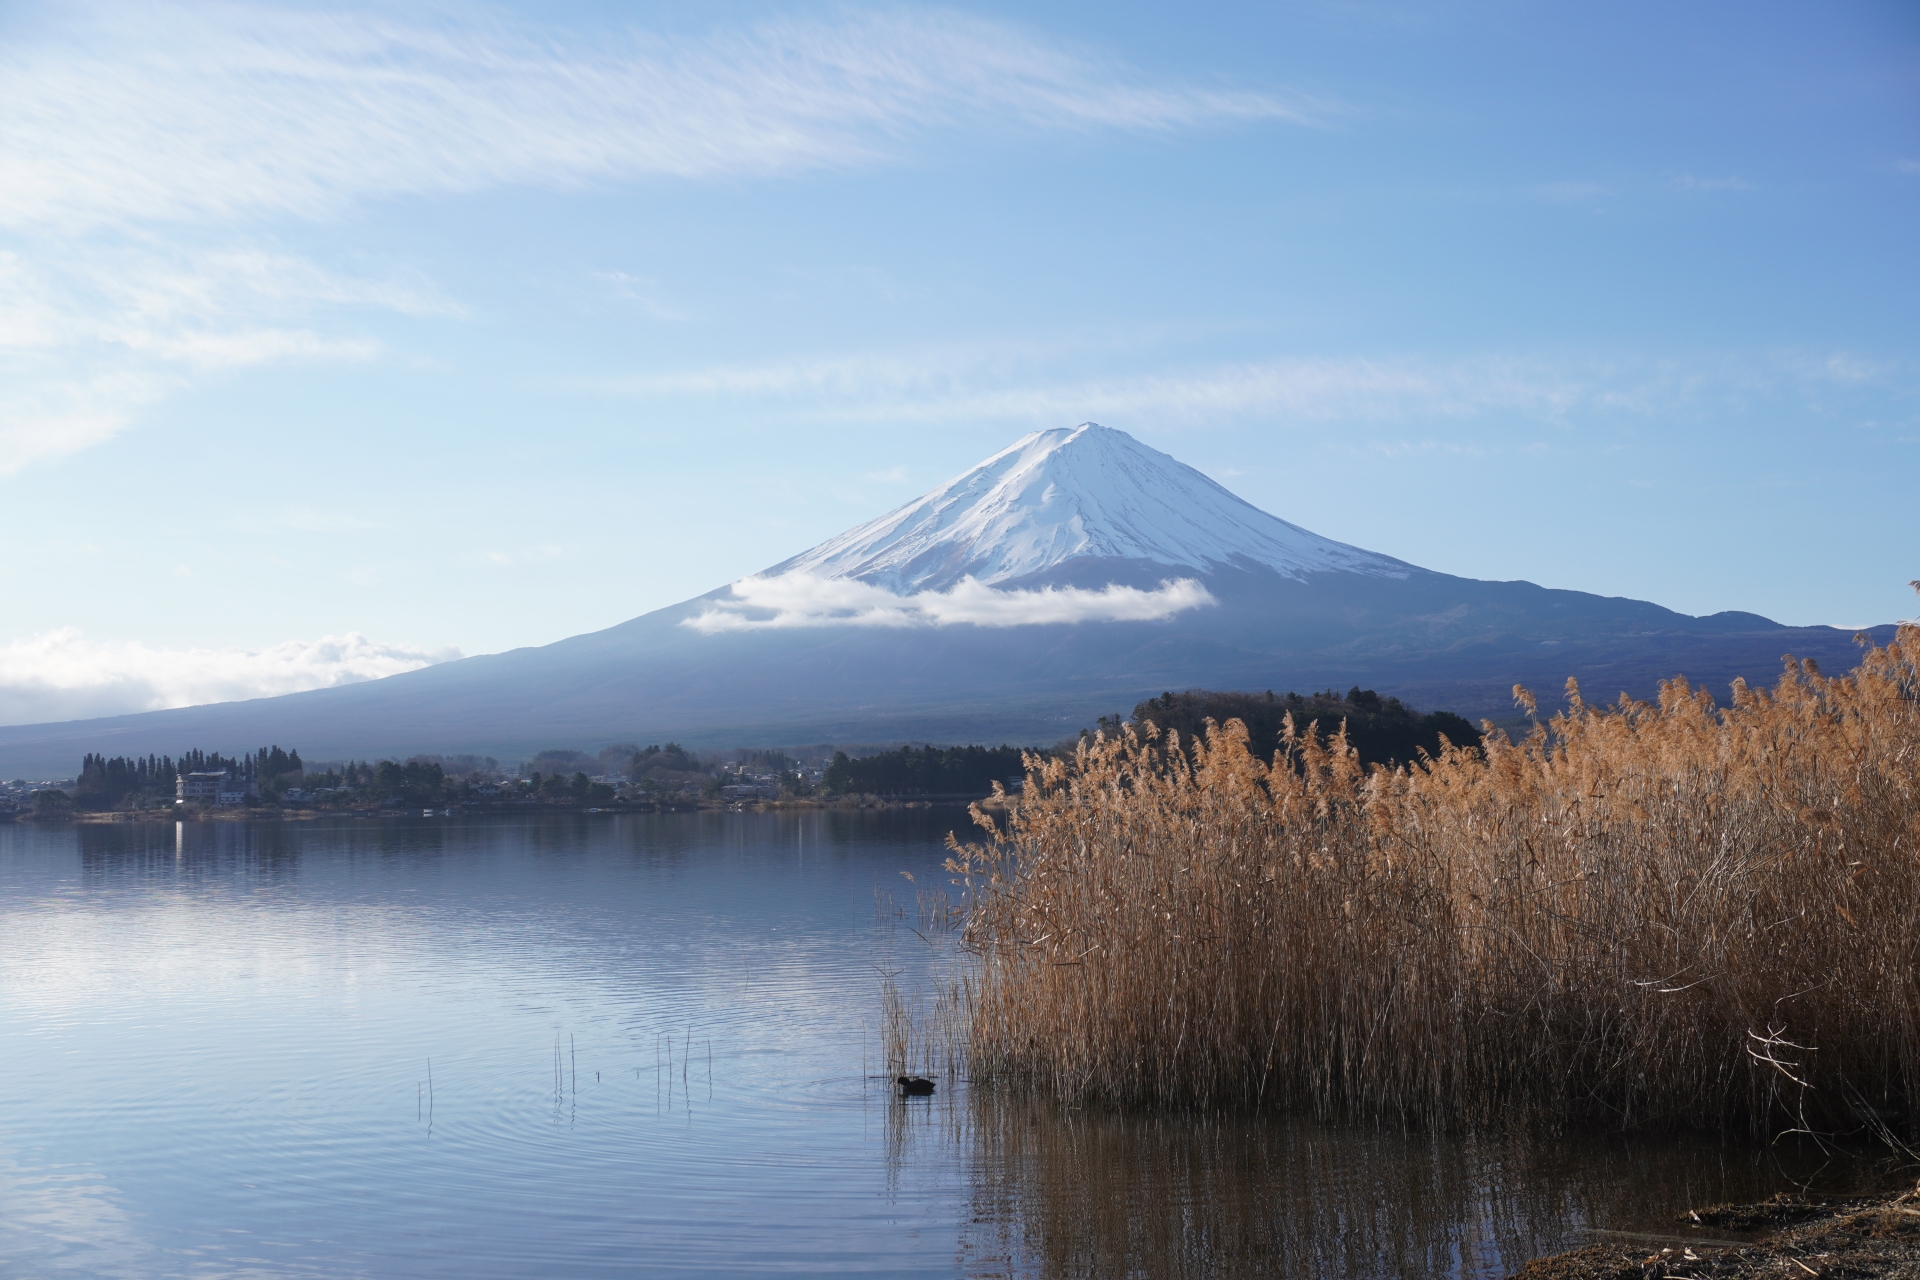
214,787
201,787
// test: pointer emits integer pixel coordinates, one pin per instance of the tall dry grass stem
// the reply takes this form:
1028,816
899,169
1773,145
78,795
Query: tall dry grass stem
922,1037
1666,913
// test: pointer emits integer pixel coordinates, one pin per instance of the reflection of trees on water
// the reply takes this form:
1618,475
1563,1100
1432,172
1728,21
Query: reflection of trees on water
137,851
147,853
1058,1193
1100,1195
482,860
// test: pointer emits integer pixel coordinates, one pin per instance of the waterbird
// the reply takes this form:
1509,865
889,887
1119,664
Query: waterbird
914,1086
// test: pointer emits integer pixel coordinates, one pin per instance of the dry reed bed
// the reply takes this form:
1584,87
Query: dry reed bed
1646,914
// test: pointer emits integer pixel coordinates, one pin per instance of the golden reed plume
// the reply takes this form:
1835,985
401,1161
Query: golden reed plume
1664,913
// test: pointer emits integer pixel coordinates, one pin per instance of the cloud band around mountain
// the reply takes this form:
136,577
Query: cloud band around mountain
803,600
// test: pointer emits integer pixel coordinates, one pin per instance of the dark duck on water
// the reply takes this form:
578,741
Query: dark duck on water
914,1086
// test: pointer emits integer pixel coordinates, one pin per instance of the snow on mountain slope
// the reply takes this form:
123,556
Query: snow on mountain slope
1087,491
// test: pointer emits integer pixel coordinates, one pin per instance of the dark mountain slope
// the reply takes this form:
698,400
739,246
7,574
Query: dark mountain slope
1433,640
1175,584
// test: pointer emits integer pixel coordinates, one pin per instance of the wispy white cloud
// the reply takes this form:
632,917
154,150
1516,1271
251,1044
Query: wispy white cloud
91,334
132,113
642,293
1309,389
803,600
132,135
63,675
212,308
46,413
958,383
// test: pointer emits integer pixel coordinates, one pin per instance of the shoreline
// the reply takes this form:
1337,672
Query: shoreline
1853,1237
243,814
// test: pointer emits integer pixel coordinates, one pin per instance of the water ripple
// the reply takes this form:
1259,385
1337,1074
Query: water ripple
618,1046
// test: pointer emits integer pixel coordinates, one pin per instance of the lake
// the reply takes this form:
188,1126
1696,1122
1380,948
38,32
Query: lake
643,1045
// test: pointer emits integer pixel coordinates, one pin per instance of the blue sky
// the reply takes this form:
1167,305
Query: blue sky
337,339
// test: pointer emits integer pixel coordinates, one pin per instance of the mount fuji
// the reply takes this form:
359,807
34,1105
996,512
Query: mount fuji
1066,496
1068,576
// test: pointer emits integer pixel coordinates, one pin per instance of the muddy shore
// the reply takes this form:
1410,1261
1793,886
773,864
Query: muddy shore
1792,1237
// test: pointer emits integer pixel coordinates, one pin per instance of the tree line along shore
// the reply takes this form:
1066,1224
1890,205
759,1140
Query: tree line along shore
632,777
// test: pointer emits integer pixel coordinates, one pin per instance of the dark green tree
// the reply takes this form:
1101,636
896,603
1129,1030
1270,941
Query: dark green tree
927,770
1381,730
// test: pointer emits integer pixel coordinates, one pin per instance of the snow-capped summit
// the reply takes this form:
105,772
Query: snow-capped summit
1071,493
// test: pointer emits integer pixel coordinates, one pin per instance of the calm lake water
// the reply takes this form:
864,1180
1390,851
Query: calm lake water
602,1046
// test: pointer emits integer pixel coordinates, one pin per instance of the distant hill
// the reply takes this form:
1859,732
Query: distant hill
1068,577
1380,730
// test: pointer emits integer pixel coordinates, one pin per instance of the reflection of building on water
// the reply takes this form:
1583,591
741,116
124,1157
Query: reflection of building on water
270,852
216,787
135,853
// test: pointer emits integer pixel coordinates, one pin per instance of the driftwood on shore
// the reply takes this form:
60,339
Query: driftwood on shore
1850,1238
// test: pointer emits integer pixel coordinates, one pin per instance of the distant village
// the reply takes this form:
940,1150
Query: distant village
627,777
621,778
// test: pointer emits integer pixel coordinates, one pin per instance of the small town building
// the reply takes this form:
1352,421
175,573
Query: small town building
201,788
216,786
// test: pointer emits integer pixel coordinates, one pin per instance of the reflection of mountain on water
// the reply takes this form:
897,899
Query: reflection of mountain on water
1086,1193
